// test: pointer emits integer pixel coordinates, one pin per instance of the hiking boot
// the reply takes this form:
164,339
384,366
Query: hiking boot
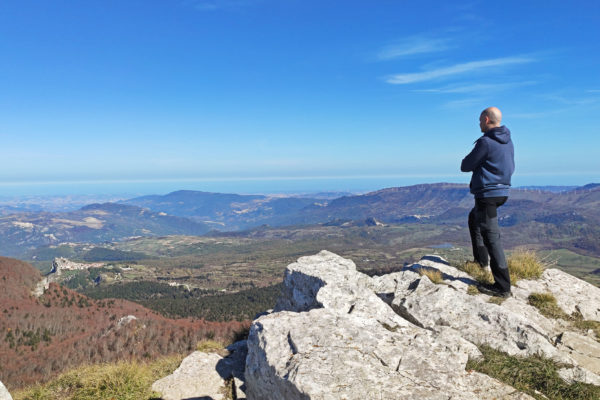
493,290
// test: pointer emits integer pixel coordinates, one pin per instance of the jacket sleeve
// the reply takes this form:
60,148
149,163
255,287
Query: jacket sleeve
475,158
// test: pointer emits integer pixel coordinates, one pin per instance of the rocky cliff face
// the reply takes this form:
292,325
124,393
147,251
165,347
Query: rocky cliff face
339,334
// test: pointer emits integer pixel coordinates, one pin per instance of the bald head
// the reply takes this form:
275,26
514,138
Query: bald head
490,118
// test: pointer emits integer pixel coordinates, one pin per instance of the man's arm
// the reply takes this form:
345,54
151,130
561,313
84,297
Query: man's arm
475,157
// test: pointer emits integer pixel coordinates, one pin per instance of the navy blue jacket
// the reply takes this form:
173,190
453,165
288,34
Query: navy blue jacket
492,162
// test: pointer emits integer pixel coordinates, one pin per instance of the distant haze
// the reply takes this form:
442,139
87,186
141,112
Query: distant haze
126,189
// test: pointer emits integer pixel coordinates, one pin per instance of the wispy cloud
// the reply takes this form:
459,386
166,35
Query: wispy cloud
458,69
413,45
476,87
593,90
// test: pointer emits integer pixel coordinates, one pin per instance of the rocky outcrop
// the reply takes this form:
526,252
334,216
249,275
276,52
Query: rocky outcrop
4,395
336,333
63,264
58,265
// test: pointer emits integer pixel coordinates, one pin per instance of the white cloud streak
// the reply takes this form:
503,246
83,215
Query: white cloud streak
458,69
411,46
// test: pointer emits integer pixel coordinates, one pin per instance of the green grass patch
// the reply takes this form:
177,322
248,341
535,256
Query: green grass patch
547,306
531,374
126,380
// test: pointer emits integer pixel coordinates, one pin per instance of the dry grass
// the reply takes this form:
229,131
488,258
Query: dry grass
522,264
212,346
479,274
526,264
496,300
472,290
434,275
127,380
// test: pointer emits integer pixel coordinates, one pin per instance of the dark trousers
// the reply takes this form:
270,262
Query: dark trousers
485,238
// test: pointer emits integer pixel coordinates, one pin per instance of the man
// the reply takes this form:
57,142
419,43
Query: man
492,163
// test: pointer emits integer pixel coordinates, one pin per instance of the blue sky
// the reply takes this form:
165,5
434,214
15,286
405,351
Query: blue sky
198,91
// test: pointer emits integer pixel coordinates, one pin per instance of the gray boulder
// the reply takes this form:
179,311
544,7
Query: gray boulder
206,375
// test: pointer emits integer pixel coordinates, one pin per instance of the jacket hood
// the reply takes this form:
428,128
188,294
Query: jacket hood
500,134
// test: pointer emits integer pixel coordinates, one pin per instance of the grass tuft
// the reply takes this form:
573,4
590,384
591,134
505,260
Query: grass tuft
479,274
472,290
126,380
546,304
526,264
434,275
212,346
532,375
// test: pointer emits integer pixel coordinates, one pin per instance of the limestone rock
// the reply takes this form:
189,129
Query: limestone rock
204,375
333,336
431,306
4,395
572,294
197,376
330,281
322,354
578,374
583,349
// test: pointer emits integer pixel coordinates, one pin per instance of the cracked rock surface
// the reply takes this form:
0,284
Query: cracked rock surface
337,333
